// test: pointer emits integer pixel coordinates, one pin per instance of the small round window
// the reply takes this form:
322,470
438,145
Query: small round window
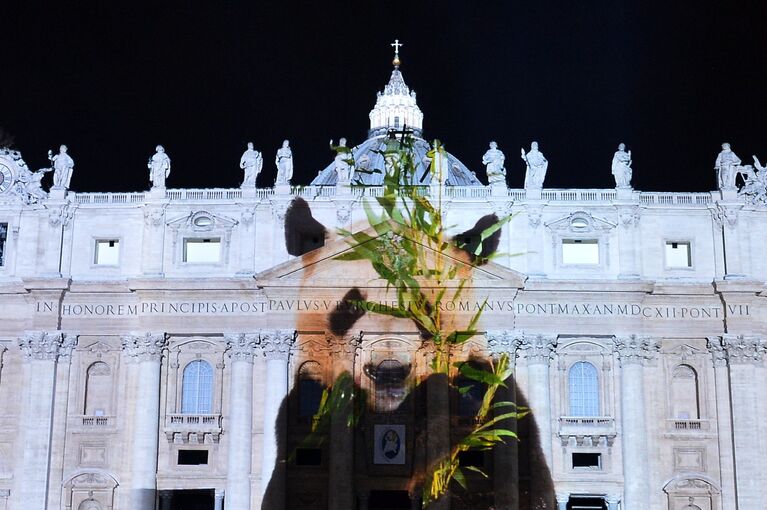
203,221
579,224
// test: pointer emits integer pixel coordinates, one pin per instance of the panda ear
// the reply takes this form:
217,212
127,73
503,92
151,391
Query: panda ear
470,240
302,232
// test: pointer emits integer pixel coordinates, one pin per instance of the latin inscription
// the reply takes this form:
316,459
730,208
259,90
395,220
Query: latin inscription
521,309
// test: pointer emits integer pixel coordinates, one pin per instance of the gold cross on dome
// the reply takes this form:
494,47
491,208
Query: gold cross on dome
396,44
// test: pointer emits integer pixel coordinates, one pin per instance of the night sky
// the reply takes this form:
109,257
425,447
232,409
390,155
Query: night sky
672,80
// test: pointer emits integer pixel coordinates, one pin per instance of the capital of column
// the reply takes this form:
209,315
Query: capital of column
276,344
742,349
563,497
503,342
47,345
218,495
241,346
718,354
144,346
635,349
539,348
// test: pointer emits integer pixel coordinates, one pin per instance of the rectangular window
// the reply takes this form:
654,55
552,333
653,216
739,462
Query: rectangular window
580,251
206,250
591,461
3,240
678,254
107,252
192,457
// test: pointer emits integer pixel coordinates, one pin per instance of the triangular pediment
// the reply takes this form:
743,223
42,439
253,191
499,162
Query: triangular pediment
322,268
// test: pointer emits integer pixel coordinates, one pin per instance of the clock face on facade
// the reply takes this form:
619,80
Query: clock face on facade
6,178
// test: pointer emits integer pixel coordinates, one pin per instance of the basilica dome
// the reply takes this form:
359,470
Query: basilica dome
395,110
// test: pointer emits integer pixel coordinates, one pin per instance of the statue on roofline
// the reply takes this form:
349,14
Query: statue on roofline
252,162
621,167
727,165
493,161
537,165
159,167
343,162
284,162
63,165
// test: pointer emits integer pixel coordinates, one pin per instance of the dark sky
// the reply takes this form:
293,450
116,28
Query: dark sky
673,80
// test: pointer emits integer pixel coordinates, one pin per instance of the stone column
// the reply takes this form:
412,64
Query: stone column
727,218
539,352
40,350
562,500
723,421
505,456
218,500
153,240
745,355
535,259
627,245
58,219
633,353
276,348
341,448
241,348
146,351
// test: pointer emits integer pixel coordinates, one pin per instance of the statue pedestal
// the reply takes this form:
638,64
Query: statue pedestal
282,189
533,194
624,193
729,193
498,189
157,192
57,193
249,192
343,189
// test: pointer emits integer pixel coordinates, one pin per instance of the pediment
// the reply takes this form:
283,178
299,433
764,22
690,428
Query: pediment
322,268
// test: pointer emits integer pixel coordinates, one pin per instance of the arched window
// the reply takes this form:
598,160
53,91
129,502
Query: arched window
197,388
684,393
98,389
470,394
584,389
309,389
389,378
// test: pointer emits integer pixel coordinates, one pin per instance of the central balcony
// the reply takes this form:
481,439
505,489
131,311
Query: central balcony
192,428
587,430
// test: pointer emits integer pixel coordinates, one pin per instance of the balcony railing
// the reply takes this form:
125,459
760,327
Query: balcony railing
92,422
688,425
192,427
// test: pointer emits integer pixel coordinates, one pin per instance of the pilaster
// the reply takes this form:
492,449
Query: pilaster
634,353
723,421
627,242
145,350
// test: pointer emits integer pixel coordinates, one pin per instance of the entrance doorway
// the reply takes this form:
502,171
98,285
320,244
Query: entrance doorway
389,500
586,503
198,499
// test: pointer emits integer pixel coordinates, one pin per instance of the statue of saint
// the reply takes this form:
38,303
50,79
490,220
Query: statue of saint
159,167
622,167
493,161
537,165
440,166
252,162
726,167
284,162
62,164
343,162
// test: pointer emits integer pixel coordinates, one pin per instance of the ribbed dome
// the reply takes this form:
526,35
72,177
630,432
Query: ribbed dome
368,157
395,108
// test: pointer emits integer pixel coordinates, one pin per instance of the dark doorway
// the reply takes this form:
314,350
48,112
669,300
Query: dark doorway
389,500
199,499
586,503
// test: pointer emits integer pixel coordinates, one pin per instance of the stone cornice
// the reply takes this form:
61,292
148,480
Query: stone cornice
540,348
276,344
241,346
47,345
144,346
635,349
742,349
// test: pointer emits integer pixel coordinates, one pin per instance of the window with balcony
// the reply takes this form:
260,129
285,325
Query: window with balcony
3,241
197,388
583,389
107,252
98,389
684,393
309,389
